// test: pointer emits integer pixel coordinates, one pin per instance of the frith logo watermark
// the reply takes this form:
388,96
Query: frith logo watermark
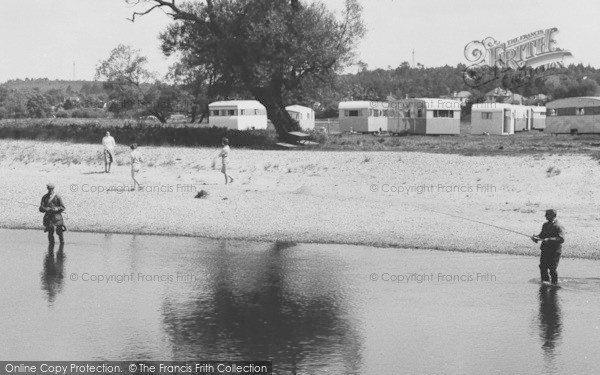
516,62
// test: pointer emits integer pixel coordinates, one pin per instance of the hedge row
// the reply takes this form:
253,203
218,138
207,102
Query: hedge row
127,132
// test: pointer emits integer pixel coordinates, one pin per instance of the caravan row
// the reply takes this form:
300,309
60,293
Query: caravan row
418,116
577,115
426,116
506,119
250,114
437,116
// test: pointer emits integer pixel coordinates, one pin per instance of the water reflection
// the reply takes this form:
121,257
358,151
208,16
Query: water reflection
53,272
550,322
266,307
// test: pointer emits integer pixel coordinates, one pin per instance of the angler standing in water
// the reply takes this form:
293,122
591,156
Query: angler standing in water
552,237
52,206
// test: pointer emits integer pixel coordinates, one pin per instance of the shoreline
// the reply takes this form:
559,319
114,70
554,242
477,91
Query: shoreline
324,197
274,240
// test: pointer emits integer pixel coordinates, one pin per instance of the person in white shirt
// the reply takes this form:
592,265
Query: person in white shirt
136,162
109,151
224,155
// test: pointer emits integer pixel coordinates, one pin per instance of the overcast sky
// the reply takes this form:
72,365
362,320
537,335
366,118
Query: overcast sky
43,38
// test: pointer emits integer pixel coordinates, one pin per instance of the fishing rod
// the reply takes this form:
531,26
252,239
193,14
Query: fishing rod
472,220
15,201
25,203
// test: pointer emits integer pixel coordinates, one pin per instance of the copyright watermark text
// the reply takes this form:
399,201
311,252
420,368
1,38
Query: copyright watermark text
432,188
122,188
432,277
134,277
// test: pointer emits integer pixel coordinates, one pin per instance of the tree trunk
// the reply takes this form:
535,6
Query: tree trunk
276,112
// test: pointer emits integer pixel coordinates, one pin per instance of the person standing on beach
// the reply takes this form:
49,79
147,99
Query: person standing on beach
224,155
552,237
52,206
109,151
136,162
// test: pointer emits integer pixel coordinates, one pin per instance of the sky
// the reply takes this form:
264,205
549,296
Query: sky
66,39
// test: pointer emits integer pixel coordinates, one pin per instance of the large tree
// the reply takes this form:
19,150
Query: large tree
162,100
123,74
266,48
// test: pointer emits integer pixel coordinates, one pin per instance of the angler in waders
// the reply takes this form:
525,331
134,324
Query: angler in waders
52,206
552,237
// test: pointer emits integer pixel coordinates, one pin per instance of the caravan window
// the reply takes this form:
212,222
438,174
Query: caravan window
486,115
443,113
353,113
214,112
580,111
552,112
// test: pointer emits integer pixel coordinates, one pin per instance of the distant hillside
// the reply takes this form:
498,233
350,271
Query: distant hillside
44,84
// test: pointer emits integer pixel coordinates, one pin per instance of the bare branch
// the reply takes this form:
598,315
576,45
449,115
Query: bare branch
132,19
177,13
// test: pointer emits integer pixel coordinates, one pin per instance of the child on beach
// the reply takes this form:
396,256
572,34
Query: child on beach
109,151
136,162
224,155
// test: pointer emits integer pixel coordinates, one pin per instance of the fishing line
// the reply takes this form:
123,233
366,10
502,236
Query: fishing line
412,205
15,201
25,203
472,220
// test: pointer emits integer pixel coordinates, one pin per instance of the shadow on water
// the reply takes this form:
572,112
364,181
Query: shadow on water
550,322
268,313
52,276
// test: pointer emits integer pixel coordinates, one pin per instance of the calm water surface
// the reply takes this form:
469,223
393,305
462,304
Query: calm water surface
310,309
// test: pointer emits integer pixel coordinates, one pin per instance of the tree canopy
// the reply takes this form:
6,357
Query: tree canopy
267,48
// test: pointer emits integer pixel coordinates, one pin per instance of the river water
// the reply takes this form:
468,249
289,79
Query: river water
310,309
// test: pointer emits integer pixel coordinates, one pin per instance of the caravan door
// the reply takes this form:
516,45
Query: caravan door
507,119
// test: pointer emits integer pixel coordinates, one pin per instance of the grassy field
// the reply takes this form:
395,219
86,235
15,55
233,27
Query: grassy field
470,145
127,131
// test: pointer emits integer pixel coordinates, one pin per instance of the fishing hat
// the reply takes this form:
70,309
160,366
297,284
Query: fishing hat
551,212
50,185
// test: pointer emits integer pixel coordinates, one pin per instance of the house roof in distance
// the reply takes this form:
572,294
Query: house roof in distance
463,94
579,101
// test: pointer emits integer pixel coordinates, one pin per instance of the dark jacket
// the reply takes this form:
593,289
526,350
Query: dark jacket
556,233
52,209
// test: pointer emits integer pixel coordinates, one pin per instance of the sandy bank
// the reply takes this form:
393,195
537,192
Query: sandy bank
370,198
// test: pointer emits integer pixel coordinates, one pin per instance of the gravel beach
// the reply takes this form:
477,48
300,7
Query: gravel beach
391,199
